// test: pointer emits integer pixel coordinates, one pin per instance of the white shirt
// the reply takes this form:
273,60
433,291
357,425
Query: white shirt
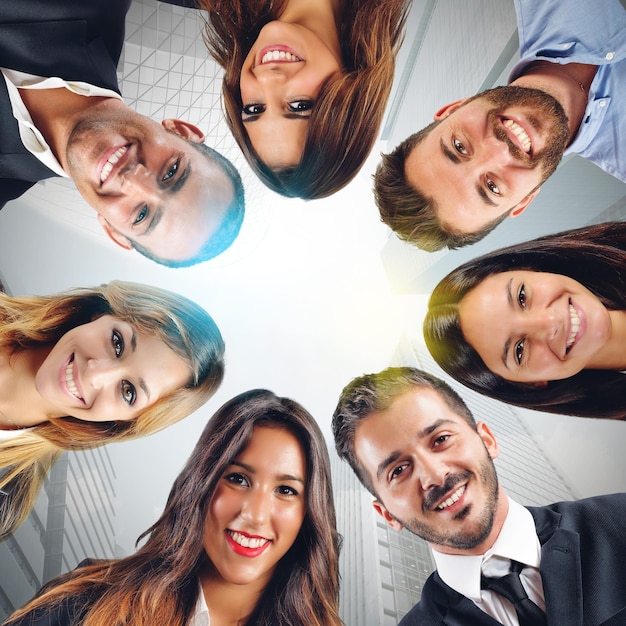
201,614
517,541
11,434
32,139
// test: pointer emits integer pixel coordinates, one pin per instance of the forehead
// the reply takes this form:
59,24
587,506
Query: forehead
410,417
278,141
275,448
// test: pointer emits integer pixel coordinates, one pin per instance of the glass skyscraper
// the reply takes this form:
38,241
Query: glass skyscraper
73,518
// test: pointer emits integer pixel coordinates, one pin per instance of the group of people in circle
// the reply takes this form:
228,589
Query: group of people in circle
540,324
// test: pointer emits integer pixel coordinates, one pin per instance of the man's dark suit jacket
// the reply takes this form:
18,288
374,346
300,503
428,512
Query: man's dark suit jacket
73,39
583,569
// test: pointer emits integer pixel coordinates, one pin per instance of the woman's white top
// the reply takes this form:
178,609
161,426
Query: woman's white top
201,614
10,434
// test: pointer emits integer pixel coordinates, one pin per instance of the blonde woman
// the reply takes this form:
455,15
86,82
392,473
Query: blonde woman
92,366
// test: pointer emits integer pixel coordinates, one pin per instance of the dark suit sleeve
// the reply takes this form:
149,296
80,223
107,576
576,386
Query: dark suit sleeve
68,613
11,189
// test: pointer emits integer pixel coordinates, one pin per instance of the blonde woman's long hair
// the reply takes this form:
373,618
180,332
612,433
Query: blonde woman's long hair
31,322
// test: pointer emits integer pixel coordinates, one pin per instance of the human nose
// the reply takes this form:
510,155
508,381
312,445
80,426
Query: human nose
256,507
136,179
433,471
101,372
544,325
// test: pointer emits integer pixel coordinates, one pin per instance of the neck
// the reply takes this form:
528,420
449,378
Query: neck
322,17
229,604
23,406
569,84
55,113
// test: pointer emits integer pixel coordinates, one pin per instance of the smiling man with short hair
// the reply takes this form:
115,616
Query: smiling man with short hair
156,187
485,158
414,444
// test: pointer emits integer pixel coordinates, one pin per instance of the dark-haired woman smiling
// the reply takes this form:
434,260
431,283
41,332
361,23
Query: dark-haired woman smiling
247,537
541,324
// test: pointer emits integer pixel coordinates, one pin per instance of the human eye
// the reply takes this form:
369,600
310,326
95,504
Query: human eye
253,109
236,478
118,343
440,440
300,106
521,296
129,393
493,188
171,171
518,351
141,216
397,471
459,147
286,490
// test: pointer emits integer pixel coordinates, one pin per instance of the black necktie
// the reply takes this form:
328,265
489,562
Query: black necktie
510,586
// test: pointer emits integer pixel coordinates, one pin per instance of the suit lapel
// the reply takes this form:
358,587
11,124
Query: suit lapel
560,568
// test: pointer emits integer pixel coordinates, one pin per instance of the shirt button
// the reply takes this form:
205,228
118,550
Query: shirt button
609,56
602,103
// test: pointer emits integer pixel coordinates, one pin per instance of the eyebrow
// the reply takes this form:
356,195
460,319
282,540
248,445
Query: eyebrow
251,470
454,158
142,382
507,343
421,434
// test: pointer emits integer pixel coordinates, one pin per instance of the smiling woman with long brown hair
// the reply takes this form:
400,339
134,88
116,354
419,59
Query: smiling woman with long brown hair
305,85
248,536
92,366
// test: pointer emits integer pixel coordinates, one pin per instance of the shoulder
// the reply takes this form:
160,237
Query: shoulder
191,4
587,514
69,612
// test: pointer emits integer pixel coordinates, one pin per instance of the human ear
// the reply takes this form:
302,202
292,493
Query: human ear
379,507
489,439
114,235
519,208
184,129
446,109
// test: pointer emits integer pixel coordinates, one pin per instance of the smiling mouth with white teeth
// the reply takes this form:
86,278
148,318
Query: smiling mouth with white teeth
69,380
520,133
452,499
112,160
574,326
247,542
279,55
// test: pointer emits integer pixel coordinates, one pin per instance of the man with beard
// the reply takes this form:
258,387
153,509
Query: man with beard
156,187
484,158
414,444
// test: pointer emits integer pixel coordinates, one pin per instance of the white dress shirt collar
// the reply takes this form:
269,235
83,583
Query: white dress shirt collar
517,541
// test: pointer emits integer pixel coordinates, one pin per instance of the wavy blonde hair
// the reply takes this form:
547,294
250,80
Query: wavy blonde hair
349,109
31,322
